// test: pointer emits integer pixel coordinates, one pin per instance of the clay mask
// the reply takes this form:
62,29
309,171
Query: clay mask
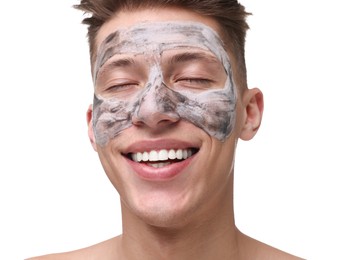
178,69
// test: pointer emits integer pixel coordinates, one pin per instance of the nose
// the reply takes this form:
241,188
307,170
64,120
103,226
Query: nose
155,108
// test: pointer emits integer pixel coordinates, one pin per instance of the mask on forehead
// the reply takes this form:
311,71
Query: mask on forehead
207,103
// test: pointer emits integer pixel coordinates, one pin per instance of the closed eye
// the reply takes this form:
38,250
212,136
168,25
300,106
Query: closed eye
121,87
196,84
121,90
195,80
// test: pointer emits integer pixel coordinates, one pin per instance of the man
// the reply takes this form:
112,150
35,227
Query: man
170,103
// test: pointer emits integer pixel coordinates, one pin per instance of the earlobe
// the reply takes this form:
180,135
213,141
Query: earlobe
90,127
253,109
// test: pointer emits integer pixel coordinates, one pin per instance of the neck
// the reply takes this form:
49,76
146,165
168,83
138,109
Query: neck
210,234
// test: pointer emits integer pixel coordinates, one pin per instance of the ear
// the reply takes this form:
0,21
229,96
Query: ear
90,127
253,109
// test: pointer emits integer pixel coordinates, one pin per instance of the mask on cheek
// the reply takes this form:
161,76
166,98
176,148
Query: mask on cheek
209,108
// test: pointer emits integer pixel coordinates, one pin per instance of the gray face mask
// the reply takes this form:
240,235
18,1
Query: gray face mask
179,69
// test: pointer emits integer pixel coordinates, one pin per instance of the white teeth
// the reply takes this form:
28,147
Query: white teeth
134,157
185,154
162,155
172,154
139,157
159,165
153,156
145,157
179,154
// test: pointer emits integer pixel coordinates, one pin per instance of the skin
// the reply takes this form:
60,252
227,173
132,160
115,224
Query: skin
191,216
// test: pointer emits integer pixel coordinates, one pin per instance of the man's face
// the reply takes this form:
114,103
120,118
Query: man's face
164,112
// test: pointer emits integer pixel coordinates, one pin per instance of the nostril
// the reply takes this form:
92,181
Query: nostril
155,119
137,121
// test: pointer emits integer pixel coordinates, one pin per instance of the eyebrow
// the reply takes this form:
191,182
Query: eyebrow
190,56
124,62
119,63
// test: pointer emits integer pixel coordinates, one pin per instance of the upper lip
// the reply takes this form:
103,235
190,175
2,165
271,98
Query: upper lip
149,145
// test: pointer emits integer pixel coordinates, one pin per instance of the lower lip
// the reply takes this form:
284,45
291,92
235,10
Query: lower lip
165,173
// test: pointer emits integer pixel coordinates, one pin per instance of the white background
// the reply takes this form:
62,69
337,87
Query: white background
54,195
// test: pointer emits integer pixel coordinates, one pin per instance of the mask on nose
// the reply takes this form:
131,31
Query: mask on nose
175,70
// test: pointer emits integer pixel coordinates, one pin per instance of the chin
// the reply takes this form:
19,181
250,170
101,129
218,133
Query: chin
161,218
163,212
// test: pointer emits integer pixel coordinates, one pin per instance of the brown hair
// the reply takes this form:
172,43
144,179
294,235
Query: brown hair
229,14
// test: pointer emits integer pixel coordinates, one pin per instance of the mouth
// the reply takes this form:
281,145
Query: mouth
161,158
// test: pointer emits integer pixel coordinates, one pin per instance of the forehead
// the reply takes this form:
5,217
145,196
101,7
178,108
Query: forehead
155,38
127,19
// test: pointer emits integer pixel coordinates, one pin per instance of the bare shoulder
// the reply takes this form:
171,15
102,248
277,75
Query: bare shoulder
254,249
100,251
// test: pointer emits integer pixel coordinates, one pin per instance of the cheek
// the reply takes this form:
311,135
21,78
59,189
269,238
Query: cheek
214,112
111,166
110,117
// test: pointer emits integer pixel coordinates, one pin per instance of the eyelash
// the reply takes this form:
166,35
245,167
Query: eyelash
118,87
195,80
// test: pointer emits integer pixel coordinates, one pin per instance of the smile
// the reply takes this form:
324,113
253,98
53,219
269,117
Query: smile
163,157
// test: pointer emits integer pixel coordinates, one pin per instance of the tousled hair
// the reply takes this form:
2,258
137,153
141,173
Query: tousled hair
229,14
